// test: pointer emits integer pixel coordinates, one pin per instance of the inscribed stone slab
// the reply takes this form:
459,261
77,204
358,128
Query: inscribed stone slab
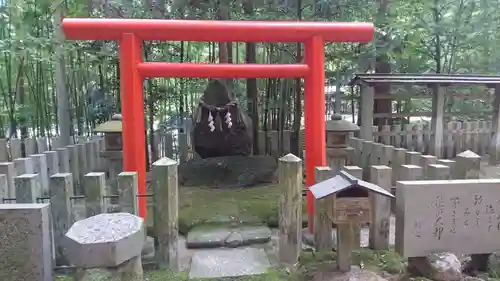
459,216
25,242
228,263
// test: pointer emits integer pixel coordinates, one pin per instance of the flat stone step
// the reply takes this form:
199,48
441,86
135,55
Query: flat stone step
214,236
219,263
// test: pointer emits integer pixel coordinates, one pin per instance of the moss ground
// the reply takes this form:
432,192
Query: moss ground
201,205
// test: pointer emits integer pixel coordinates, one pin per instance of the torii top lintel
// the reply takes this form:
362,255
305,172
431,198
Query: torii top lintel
216,31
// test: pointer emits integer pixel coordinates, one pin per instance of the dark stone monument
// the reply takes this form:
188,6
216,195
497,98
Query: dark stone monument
221,128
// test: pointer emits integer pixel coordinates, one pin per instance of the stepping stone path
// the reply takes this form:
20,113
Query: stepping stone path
227,236
229,261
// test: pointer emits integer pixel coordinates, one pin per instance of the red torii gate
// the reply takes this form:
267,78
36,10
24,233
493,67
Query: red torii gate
131,32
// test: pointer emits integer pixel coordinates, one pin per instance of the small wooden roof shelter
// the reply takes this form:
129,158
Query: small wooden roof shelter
437,83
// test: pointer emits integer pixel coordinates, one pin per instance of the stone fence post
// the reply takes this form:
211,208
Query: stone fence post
25,242
323,240
95,189
61,190
290,209
127,192
28,188
166,213
381,213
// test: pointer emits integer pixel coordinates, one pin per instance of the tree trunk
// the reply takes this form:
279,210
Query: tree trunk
297,112
252,91
382,65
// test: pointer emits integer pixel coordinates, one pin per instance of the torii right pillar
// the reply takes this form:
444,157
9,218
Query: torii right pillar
495,140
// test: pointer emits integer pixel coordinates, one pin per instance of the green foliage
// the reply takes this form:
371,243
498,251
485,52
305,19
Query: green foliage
417,36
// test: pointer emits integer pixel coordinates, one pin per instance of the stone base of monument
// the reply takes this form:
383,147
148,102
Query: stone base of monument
228,171
130,270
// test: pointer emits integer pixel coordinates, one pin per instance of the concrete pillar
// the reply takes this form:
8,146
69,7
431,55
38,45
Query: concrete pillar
410,173
495,142
412,157
367,102
437,172
468,165
437,122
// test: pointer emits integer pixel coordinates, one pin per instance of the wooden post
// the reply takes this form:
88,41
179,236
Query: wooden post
95,186
323,239
356,172
379,228
166,213
367,102
61,187
127,191
290,209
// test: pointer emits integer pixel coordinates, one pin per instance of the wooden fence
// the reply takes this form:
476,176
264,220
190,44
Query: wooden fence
458,137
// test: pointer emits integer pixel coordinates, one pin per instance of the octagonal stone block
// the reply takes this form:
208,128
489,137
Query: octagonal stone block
105,240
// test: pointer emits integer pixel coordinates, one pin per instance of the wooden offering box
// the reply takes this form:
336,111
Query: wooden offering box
348,198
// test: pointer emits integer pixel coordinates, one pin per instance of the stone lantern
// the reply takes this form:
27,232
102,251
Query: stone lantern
338,152
112,133
113,147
